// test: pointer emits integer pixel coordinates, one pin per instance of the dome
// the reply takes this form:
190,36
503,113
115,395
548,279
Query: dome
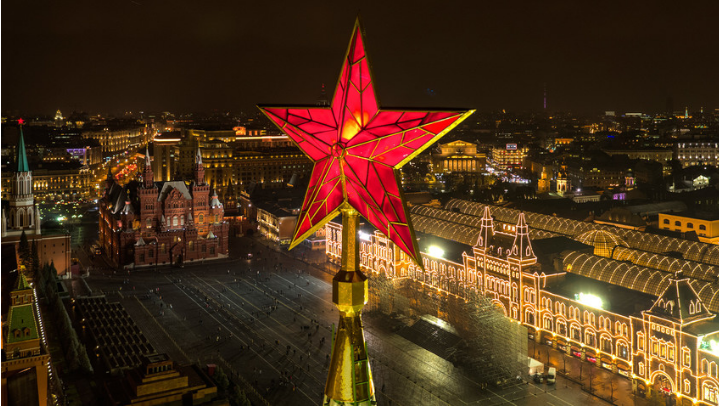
602,241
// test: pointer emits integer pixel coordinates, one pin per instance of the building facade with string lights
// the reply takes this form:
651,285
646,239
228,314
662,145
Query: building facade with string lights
641,314
168,222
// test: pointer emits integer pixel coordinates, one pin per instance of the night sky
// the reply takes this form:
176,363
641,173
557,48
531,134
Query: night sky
111,56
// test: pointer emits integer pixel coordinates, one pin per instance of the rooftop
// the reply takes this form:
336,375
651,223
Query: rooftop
615,298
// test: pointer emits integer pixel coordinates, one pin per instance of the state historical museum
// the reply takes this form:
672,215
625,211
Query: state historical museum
149,223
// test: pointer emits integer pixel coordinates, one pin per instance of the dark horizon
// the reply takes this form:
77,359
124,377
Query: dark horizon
135,55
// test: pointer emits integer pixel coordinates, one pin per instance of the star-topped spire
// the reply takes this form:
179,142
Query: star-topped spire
21,160
358,150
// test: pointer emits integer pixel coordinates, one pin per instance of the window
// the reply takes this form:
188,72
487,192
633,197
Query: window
677,223
148,222
666,221
687,387
576,333
174,221
711,394
589,338
690,225
655,347
606,345
687,358
201,218
623,350
702,227
641,368
548,323
163,248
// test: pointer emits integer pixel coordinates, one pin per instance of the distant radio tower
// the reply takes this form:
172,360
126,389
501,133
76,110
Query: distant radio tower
545,96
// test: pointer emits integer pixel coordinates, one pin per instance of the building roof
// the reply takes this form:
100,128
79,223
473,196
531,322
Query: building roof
656,208
680,302
705,216
21,317
166,186
615,298
21,160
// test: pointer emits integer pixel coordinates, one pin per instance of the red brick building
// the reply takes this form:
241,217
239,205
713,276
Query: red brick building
147,223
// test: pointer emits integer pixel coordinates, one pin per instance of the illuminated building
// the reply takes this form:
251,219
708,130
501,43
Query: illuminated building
706,226
458,157
543,184
25,358
20,214
61,181
508,156
564,185
242,157
116,141
697,153
660,155
147,222
620,307
277,220
164,147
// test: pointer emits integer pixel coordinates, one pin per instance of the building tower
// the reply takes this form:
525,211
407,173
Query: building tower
545,96
629,180
543,183
21,214
200,197
486,233
26,360
58,118
322,99
563,185
520,257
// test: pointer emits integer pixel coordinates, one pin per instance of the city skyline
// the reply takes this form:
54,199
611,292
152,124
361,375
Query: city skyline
137,56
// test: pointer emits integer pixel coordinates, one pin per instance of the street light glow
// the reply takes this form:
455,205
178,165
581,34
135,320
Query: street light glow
435,251
589,300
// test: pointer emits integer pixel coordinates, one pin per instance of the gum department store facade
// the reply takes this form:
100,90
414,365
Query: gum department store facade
149,223
658,323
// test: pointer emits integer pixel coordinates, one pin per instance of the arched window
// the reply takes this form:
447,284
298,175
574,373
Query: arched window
217,218
677,223
174,221
148,223
666,221
690,225
191,245
182,219
201,218
702,227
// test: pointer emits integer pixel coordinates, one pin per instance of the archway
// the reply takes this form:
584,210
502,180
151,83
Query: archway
662,382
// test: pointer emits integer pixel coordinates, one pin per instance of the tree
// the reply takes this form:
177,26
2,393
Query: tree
221,379
238,396
24,252
35,257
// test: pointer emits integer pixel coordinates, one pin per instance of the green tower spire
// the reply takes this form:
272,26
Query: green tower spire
21,155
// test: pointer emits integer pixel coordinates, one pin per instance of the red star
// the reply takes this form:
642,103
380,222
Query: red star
358,150
20,121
